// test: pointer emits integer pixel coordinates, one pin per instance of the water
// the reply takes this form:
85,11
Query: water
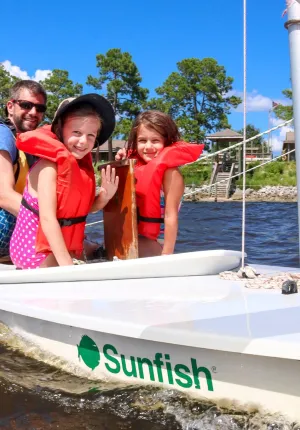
271,230
34,395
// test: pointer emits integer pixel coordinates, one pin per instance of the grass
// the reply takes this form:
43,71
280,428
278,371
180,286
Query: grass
196,174
276,173
97,173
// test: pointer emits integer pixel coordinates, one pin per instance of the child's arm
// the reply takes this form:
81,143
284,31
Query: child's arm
47,199
173,186
109,185
121,154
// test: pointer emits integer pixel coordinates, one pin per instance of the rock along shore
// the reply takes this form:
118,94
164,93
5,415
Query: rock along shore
266,194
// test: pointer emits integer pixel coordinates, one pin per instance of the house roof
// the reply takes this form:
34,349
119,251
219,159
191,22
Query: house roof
225,134
116,144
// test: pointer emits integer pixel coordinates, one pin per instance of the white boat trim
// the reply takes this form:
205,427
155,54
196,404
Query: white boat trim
198,263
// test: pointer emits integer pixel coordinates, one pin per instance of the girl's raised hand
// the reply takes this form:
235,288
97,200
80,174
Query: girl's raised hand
121,154
109,183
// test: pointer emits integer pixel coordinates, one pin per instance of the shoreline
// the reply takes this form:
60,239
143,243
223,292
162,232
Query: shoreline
269,193
248,200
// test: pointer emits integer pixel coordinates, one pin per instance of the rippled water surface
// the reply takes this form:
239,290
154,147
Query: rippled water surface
34,395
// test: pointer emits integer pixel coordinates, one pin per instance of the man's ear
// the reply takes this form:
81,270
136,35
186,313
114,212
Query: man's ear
9,107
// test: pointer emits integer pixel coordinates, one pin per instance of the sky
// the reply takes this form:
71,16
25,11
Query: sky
68,35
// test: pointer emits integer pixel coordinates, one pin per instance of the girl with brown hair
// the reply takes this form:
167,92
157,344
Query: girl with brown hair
154,141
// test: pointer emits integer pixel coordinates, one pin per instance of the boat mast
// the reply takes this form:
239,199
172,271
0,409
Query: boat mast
293,26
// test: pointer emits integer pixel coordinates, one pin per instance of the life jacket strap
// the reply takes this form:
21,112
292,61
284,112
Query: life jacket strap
29,207
146,219
63,222
67,222
17,172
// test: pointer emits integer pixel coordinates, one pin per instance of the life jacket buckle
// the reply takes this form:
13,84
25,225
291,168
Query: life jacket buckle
66,223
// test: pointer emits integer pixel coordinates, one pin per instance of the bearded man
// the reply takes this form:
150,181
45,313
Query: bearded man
25,111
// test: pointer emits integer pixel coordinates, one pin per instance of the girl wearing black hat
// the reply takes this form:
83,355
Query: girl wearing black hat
60,189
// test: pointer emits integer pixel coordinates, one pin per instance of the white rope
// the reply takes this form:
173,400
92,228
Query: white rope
225,150
204,187
243,154
266,281
93,223
235,145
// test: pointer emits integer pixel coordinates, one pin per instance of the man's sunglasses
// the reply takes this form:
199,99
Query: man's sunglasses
24,104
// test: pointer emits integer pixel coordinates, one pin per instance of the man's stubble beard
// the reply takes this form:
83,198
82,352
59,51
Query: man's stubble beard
20,126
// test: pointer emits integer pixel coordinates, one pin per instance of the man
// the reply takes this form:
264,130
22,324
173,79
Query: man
25,111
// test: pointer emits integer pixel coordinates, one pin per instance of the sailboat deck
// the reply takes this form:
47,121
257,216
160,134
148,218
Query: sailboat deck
196,311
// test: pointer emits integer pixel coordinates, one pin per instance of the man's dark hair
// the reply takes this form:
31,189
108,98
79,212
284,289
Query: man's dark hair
32,86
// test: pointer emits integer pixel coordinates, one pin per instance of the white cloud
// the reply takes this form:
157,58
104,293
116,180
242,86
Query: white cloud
15,70
22,74
40,75
278,136
256,102
277,144
259,103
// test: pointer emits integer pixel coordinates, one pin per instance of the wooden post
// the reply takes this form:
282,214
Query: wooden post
110,149
193,195
119,215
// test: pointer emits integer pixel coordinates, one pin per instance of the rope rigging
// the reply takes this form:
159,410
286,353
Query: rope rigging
236,145
244,136
204,187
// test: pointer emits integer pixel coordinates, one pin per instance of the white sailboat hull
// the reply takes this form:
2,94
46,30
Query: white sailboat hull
230,379
207,337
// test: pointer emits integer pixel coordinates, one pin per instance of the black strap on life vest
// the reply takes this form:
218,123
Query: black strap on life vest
63,222
146,219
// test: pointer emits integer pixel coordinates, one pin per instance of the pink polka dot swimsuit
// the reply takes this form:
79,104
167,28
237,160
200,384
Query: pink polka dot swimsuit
22,243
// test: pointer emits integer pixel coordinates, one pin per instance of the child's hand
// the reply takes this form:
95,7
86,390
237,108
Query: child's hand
121,154
109,183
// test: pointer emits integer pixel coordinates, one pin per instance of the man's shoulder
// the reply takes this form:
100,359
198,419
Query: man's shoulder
7,141
5,130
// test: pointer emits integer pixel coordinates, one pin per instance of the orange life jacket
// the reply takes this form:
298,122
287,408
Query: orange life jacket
149,179
75,186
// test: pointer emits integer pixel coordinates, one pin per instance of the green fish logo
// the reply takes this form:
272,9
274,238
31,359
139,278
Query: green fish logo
88,352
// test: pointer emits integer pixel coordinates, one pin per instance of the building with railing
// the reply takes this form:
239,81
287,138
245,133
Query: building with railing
229,163
289,145
228,137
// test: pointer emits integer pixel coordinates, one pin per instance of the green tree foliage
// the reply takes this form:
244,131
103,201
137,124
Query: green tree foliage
196,96
6,82
285,112
120,81
252,131
59,87
156,103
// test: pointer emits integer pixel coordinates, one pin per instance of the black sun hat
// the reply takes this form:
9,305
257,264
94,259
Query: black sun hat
101,106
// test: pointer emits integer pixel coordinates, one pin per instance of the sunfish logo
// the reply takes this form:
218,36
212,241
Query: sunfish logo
160,369
88,351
